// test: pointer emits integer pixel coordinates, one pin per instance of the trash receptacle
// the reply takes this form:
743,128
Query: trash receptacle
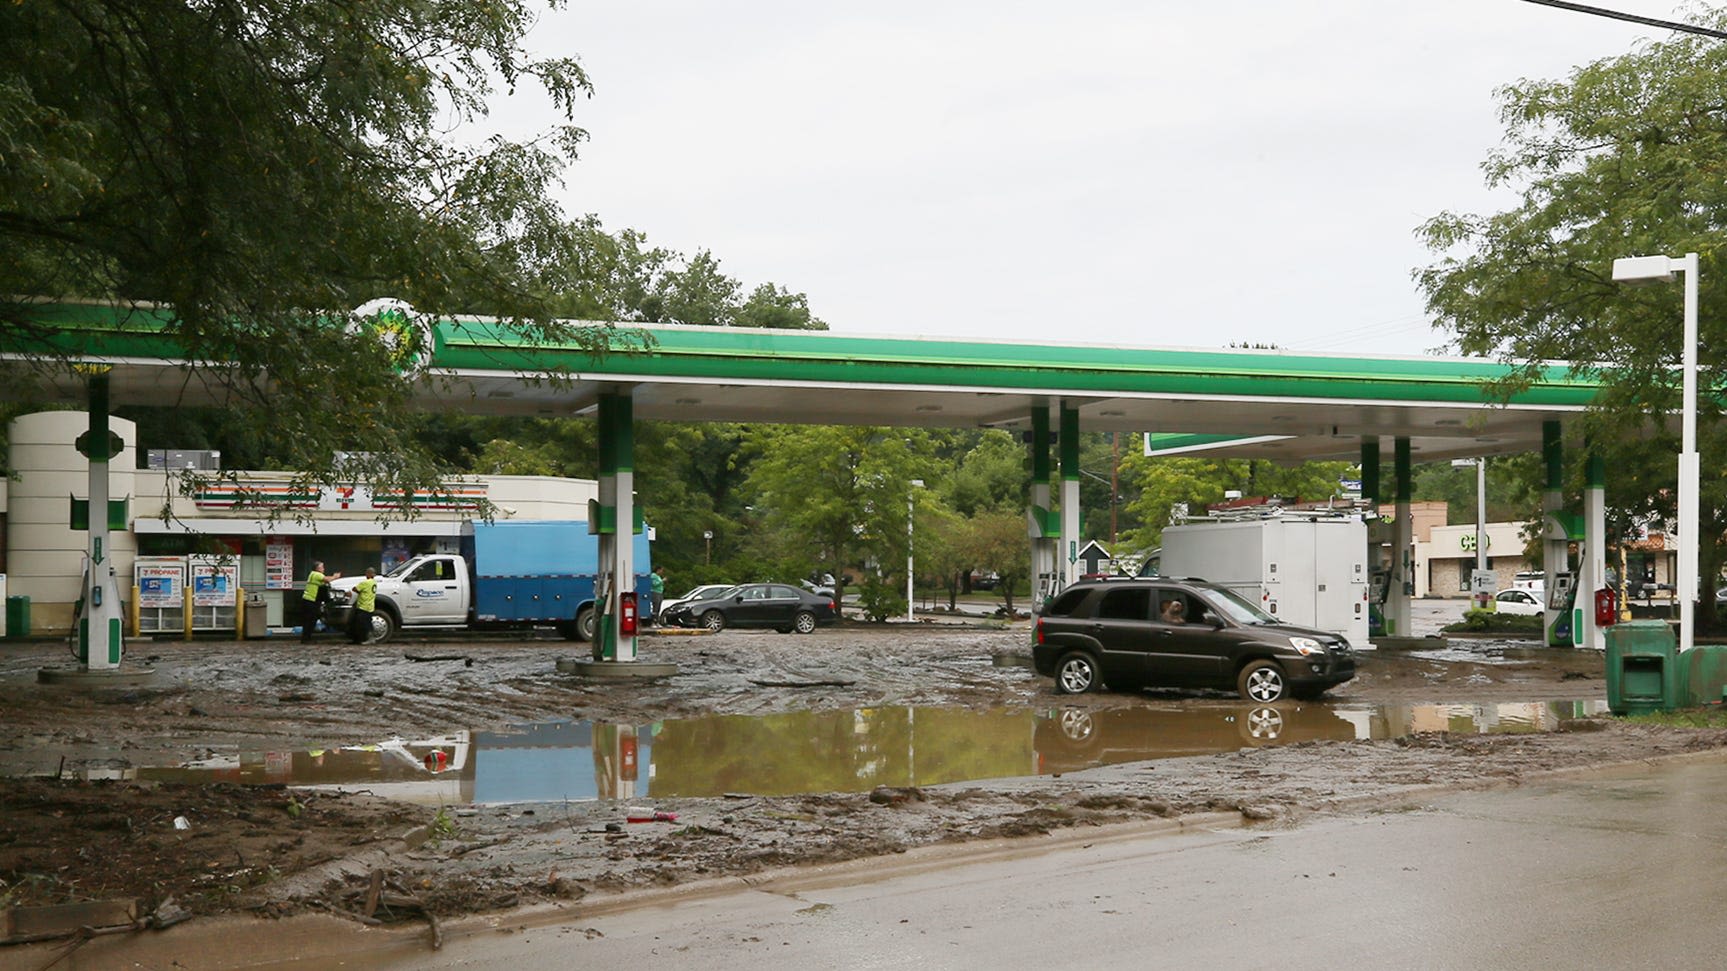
17,616
257,618
1703,675
1642,667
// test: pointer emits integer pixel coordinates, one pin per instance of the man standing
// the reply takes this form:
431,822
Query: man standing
657,582
365,601
312,604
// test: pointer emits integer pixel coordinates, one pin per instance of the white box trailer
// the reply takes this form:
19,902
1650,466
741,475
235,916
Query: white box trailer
1307,571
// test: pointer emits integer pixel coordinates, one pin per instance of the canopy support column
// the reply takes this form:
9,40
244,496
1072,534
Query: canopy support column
1370,492
100,623
1400,585
1039,520
1555,539
1068,566
1592,571
616,582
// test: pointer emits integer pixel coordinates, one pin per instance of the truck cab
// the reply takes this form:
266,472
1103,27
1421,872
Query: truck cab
429,590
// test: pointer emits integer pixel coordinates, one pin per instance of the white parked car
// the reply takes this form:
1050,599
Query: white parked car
703,592
1518,602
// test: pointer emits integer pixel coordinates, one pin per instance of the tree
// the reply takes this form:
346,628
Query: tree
1166,483
777,308
261,169
1622,158
938,546
837,495
996,540
991,475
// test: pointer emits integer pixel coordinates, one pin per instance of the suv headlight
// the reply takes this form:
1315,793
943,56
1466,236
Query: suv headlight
1306,646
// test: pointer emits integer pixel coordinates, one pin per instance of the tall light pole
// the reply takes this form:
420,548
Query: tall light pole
1639,269
910,511
1480,519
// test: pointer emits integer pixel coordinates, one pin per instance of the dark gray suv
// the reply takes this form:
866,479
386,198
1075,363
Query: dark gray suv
1159,632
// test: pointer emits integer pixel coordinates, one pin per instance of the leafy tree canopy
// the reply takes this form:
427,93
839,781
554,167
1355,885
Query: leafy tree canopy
259,167
1165,483
1622,158
836,496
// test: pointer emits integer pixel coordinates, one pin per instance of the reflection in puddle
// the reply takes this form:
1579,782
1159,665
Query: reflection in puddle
830,751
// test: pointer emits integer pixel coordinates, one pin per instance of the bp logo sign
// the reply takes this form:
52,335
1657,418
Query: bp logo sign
406,335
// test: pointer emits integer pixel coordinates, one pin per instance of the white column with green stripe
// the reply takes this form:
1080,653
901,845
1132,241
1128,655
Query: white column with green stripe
1039,519
1067,561
616,416
101,641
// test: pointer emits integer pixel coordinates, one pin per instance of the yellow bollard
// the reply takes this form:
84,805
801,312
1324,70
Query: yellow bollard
133,613
239,613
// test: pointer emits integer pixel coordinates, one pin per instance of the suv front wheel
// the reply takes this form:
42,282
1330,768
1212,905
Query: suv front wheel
1262,681
1076,674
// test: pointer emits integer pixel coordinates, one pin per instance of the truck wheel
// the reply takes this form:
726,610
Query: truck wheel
1075,674
1262,681
384,626
587,624
804,622
714,621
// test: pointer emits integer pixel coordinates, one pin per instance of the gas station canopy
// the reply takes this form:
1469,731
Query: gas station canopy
1245,403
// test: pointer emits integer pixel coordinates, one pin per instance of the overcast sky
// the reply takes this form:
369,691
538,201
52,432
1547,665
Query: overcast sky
1137,173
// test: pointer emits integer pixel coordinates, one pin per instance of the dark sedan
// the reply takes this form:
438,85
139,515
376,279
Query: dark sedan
783,607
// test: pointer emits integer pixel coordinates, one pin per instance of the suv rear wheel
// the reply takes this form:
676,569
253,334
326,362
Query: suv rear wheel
1262,681
1075,674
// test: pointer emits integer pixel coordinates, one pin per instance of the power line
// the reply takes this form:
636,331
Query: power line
1633,18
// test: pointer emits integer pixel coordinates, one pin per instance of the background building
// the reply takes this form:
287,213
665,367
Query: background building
223,536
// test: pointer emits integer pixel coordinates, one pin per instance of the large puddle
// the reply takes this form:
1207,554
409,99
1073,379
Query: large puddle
827,751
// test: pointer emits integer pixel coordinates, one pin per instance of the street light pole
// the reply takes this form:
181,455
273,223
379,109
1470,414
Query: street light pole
1480,520
910,510
1634,269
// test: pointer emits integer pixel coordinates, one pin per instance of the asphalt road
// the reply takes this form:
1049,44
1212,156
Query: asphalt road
1609,870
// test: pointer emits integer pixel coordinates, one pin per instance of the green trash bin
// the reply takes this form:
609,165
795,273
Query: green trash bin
1703,676
17,616
1642,667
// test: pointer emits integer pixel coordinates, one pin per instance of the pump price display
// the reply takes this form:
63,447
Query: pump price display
1483,582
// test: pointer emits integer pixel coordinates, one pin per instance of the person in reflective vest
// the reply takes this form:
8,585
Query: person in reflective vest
312,604
365,601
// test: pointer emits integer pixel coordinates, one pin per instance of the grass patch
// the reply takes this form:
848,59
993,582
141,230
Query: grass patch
1711,717
1494,622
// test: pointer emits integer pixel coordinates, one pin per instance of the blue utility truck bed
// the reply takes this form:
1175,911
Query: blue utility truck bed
537,571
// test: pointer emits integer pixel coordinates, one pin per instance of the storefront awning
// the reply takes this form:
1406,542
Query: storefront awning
211,526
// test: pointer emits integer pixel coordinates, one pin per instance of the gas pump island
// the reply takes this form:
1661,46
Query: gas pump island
98,627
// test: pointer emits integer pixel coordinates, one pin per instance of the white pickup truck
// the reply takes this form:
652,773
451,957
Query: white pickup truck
513,574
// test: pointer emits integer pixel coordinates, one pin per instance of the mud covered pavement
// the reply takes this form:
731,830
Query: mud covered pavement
270,850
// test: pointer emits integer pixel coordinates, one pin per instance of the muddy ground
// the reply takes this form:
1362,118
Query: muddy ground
68,834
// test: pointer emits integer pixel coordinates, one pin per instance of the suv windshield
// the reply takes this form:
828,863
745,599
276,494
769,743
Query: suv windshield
1241,611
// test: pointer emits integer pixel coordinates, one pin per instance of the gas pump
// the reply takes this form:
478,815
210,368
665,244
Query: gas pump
1045,592
1378,588
1562,598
